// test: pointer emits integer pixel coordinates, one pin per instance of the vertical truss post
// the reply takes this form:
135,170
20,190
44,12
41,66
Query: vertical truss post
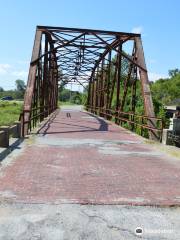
146,92
45,79
41,90
133,97
56,86
113,83
96,100
50,82
108,82
53,84
118,81
31,81
101,86
95,95
89,95
92,95
105,92
53,76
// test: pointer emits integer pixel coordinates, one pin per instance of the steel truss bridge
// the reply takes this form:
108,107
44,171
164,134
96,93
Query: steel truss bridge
108,64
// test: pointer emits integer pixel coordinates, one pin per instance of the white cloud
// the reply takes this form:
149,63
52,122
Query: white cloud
137,29
9,73
8,70
4,68
21,73
155,76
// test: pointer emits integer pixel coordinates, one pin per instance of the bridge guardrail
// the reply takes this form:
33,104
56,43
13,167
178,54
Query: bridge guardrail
36,115
136,123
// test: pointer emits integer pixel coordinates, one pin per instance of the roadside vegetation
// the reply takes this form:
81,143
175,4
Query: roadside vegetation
68,97
167,91
9,112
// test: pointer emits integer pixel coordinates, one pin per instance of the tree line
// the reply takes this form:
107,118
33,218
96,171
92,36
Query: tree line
65,95
165,91
17,93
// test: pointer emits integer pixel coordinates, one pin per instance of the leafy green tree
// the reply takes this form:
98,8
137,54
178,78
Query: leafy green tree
174,72
1,89
20,85
167,91
20,89
64,95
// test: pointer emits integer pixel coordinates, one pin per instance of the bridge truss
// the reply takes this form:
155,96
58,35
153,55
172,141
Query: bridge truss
108,64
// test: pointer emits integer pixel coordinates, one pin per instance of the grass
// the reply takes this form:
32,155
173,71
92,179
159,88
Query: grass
9,112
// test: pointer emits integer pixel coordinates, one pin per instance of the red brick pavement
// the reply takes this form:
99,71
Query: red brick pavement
84,159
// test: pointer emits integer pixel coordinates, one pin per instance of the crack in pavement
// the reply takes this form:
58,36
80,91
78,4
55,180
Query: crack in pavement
110,226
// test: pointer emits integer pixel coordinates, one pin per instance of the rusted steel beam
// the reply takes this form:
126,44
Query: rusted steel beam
113,84
118,80
45,77
88,30
113,44
133,98
146,92
31,79
54,49
122,53
102,85
95,93
108,80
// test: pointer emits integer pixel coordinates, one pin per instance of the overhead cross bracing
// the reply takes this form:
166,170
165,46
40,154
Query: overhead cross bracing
100,61
79,50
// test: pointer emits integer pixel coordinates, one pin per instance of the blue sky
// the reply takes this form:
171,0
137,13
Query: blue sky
157,20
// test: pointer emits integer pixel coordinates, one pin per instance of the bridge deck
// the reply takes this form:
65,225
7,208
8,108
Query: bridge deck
84,159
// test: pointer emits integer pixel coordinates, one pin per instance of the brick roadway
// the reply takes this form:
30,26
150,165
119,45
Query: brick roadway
84,159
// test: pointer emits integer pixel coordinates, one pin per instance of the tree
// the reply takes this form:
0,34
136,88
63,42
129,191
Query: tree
64,95
20,89
1,89
20,85
174,72
166,91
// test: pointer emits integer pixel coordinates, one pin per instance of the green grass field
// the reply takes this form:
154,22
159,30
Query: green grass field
9,112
